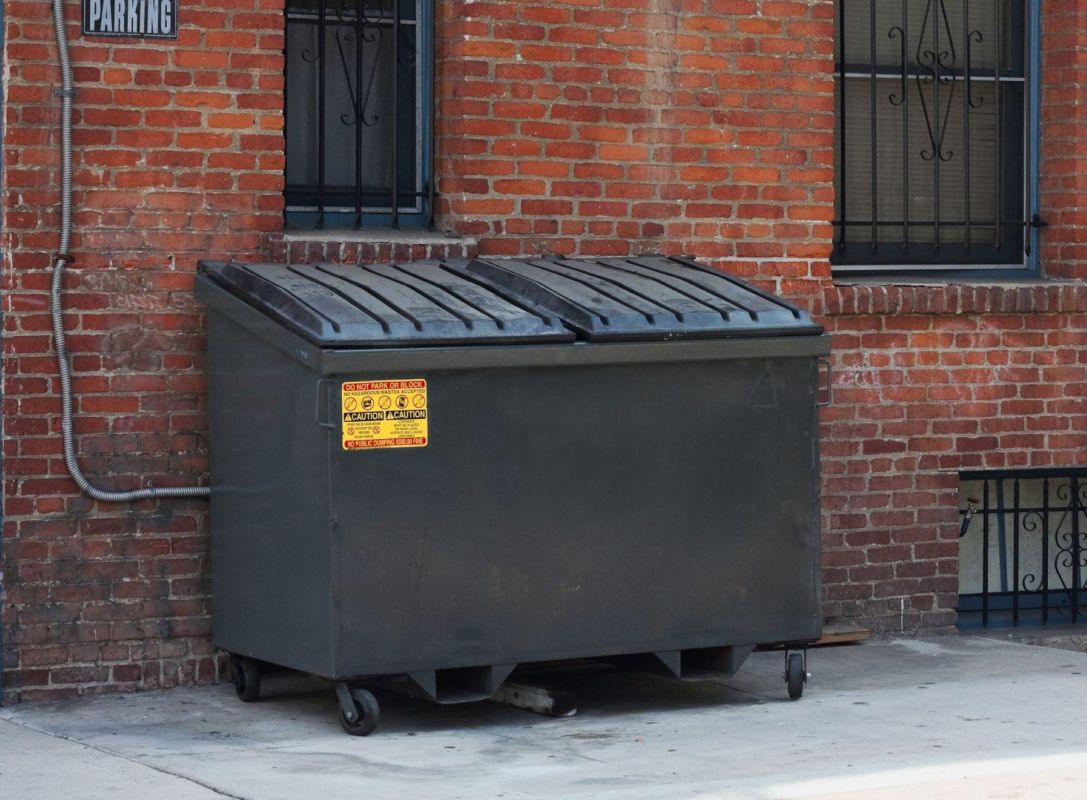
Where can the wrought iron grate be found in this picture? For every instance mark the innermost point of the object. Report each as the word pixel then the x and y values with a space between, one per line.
pixel 933 143
pixel 358 122
pixel 1023 554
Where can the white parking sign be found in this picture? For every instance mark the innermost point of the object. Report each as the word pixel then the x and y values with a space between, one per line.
pixel 144 18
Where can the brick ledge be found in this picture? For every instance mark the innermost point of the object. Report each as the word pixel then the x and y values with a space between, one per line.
pixel 1022 297
pixel 366 247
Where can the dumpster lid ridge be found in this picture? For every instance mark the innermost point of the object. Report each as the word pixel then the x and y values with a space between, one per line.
pixel 442 298
pixel 631 266
pixel 590 269
pixel 346 296
pixel 266 280
pixel 399 308
pixel 613 294
pixel 659 273
pixel 667 268
pixel 513 301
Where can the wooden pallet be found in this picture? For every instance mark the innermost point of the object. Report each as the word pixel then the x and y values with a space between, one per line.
pixel 843 634
pixel 832 635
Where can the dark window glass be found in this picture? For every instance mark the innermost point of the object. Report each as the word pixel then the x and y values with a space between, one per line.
pixel 357 112
pixel 932 151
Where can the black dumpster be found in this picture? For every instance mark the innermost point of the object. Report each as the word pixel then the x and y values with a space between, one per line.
pixel 436 471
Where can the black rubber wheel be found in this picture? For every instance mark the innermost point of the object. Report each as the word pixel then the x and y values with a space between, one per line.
pixel 368 711
pixel 245 675
pixel 795 675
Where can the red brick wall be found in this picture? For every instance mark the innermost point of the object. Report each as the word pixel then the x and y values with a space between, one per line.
pixel 931 380
pixel 1064 131
pixel 179 154
pixel 594 127
pixel 934 379
pixel 602 127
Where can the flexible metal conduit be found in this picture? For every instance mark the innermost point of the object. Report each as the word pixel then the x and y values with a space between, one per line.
pixel 56 295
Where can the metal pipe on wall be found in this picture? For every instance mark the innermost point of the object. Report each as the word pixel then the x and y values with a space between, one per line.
pixel 56 295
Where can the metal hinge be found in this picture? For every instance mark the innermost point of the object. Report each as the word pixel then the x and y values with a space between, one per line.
pixel 324 416
pixel 1037 223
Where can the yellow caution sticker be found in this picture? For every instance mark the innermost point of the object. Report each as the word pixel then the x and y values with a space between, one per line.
pixel 383 414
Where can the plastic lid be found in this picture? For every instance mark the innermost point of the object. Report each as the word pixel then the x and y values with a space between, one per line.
pixel 651 297
pixel 388 305
pixel 509 300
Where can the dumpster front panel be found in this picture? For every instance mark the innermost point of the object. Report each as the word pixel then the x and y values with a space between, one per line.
pixel 583 511
pixel 271 576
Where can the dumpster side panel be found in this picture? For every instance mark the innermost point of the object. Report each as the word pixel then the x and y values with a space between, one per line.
pixel 583 511
pixel 271 576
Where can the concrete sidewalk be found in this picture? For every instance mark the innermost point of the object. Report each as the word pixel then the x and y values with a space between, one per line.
pixel 953 717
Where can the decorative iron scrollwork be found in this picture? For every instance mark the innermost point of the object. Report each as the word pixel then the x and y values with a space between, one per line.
pixel 1039 541
pixel 899 97
pixel 935 68
pixel 362 25
pixel 934 63
pixel 367 25
pixel 973 38
pixel 1070 538
pixel 1034 522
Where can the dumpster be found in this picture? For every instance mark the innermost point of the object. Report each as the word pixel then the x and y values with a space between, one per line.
pixel 429 473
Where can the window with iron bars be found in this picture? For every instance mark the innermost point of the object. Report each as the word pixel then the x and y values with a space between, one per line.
pixel 359 78
pixel 935 128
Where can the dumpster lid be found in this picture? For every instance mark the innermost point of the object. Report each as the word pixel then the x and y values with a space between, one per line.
pixel 386 305
pixel 645 298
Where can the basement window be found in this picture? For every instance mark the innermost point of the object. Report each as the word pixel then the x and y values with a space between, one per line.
pixel 1023 547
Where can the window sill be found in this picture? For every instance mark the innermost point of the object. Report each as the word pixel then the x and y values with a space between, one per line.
pixel 875 296
pixel 373 246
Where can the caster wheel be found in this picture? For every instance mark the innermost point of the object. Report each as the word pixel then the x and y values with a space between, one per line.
pixel 795 675
pixel 367 714
pixel 245 675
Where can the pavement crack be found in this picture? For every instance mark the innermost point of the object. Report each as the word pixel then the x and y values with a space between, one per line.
pixel 129 759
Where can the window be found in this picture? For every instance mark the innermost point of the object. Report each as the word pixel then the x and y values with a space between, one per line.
pixel 358 119
pixel 933 164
